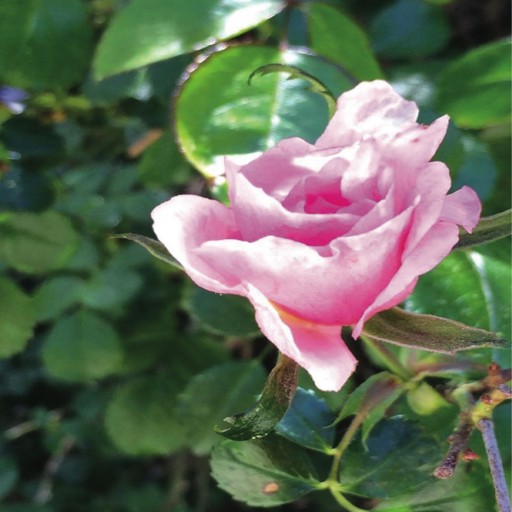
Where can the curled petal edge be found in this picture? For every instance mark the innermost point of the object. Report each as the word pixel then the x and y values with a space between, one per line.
pixel 318 348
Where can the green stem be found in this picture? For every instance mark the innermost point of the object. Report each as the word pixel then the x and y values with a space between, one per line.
pixel 341 500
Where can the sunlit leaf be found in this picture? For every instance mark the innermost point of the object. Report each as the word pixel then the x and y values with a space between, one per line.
pixel 160 29
pixel 475 89
pixel 44 44
pixel 239 120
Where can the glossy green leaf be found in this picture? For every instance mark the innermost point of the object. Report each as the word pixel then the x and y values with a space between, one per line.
pixel 428 332
pixel 141 418
pixel 16 318
pixel 275 400
pixel 263 472
pixel 409 29
pixel 160 29
pixel 489 229
pixel 154 247
pixel 56 295
pixel 398 459
pixel 82 346
pixel 475 89
pixel 225 314
pixel 308 422
pixel 36 243
pixel 372 399
pixel 335 36
pixel 236 118
pixel 44 44
pixel 469 287
pixel 211 395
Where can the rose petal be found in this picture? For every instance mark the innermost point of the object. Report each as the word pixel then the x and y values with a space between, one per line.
pixel 183 224
pixel 327 285
pixel 463 207
pixel 372 109
pixel 433 248
pixel 317 348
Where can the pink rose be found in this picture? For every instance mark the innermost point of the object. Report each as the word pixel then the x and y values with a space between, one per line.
pixel 325 235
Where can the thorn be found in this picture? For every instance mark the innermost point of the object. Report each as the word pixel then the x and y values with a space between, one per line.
pixel 469 455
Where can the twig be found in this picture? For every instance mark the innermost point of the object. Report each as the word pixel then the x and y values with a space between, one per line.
pixel 45 489
pixel 486 426
pixel 458 445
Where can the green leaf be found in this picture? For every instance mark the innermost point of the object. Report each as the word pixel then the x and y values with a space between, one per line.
pixel 36 243
pixel 235 118
pixel 488 230
pixel 275 400
pixel 141 418
pixel 466 491
pixel 162 165
pixel 225 314
pixel 82 346
pixel 409 29
pixel 44 44
pixel 428 332
pixel 56 295
pixel 16 318
pixel 110 288
pixel 475 89
pixel 372 399
pixel 335 36
pixel 154 247
pixel 160 29
pixel 212 395
pixel 398 460
pixel 263 472
pixel 308 422
pixel 469 287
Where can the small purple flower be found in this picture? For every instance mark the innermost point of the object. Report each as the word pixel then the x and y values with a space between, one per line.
pixel 13 98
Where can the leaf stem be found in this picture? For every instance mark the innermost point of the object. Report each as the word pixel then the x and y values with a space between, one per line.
pixel 486 426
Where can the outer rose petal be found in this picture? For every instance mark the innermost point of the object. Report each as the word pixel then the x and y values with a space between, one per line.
pixel 372 109
pixel 317 348
pixel 183 224
pixel 463 208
